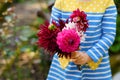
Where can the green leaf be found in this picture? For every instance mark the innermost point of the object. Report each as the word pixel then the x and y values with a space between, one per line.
pixel 26 32
pixel 26 48
pixel 23 38
pixel 1 45
pixel 115 48
pixel 40 20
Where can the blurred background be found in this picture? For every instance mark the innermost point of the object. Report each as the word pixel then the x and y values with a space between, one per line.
pixel 20 58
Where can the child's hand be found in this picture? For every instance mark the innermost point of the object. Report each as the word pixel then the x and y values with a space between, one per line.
pixel 80 58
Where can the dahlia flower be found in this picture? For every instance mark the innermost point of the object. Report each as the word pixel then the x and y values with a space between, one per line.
pixel 70 25
pixel 47 37
pixel 63 37
pixel 68 40
pixel 61 24
pixel 82 36
pixel 79 17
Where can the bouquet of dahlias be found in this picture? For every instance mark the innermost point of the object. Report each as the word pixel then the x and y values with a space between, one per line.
pixel 63 37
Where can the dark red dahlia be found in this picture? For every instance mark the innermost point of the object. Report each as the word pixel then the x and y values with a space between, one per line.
pixel 61 24
pixel 47 37
pixel 80 18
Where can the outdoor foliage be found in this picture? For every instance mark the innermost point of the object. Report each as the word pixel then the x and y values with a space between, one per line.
pixel 20 58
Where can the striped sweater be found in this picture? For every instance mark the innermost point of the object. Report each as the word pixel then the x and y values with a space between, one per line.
pixel 101 15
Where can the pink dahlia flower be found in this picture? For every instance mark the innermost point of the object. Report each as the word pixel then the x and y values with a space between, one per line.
pixel 68 40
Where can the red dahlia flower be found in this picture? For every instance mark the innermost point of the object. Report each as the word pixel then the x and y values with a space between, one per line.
pixel 47 37
pixel 79 17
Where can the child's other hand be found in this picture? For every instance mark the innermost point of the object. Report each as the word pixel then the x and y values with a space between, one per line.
pixel 80 58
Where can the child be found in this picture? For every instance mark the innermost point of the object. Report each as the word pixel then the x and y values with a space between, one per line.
pixel 101 15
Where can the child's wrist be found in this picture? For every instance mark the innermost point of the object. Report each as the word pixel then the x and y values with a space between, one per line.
pixel 88 58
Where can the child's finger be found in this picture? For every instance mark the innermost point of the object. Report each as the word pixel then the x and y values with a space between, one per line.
pixel 74 54
pixel 73 60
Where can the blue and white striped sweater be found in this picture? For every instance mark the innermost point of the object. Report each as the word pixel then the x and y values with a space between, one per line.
pixel 100 36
